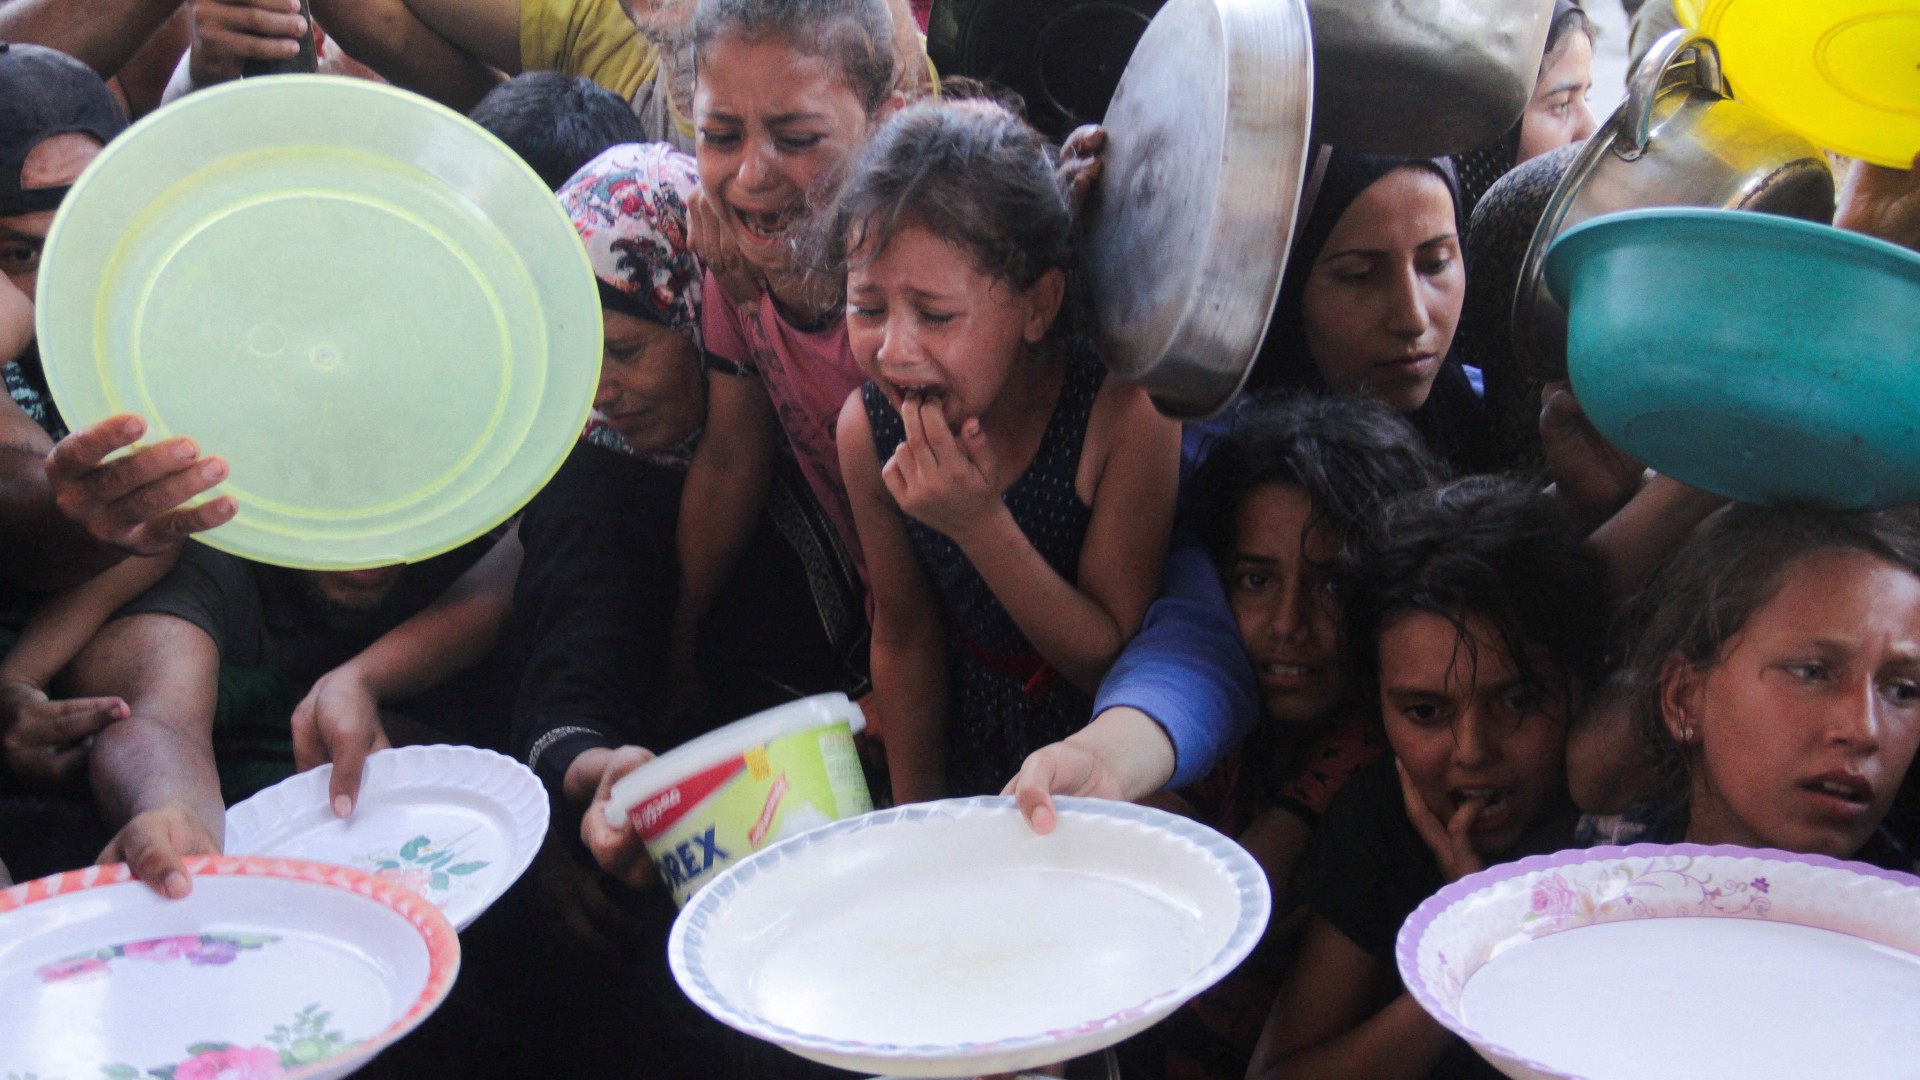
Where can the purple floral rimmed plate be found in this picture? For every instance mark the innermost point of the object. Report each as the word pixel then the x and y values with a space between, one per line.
pixel 1656 961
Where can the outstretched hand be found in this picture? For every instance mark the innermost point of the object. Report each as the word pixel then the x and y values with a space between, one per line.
pixel 947 481
pixel 1062 768
pixel 135 503
pixel 338 722
pixel 1451 841
pixel 1593 477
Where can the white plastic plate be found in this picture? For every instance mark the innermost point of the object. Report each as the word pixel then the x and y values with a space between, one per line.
pixel 270 967
pixel 946 939
pixel 456 824
pixel 1675 961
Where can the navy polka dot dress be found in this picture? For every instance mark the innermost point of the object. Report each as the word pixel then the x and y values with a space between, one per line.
pixel 1004 700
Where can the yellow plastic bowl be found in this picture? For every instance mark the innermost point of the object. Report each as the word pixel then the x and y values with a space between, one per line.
pixel 370 307
pixel 1845 73
pixel 1689 12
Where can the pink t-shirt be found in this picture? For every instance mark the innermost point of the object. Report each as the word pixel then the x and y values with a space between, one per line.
pixel 809 375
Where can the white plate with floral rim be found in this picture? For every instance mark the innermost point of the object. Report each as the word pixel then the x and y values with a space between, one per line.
pixel 947 938
pixel 456 824
pixel 1675 961
pixel 268 968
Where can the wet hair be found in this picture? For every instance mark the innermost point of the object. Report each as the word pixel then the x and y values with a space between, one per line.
pixel 855 34
pixel 557 123
pixel 1350 455
pixel 969 172
pixel 1701 600
pixel 1488 546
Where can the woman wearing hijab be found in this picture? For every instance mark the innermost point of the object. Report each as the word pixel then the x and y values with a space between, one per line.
pixel 1372 296
pixel 1556 113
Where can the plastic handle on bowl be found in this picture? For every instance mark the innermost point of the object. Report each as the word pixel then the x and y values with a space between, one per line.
pixel 1651 77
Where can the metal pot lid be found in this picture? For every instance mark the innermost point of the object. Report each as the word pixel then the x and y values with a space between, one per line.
pixel 1187 235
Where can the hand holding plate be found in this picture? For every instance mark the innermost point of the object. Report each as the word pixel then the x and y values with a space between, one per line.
pixel 134 503
pixel 1594 478
pixel 46 741
pixel 153 844
pixel 339 722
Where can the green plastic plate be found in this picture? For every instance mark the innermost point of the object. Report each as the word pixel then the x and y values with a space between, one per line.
pixel 370 307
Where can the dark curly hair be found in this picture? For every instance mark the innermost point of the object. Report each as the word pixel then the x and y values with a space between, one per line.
pixel 1488 546
pixel 1349 454
pixel 856 34
pixel 1701 600
pixel 971 173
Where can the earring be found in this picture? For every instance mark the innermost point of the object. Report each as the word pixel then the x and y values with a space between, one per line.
pixel 1686 733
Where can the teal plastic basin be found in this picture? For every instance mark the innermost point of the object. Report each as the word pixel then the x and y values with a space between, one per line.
pixel 1758 357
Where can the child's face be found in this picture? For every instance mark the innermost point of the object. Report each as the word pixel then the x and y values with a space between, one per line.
pixel 1384 294
pixel 775 131
pixel 651 390
pixel 1803 731
pixel 56 161
pixel 922 320
pixel 1467 727
pixel 1289 620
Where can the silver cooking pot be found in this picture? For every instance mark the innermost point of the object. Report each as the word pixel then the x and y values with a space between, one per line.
pixel 1423 79
pixel 1680 139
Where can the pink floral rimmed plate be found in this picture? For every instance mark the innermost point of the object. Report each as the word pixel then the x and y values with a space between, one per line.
pixel 1656 961
pixel 456 824
pixel 269 968
pixel 948 939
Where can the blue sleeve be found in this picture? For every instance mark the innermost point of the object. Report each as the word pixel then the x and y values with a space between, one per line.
pixel 1187 668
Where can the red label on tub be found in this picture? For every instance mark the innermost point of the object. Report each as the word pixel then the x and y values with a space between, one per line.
pixel 660 812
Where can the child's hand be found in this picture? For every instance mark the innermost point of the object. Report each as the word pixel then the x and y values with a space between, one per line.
pixel 617 848
pixel 1450 841
pixel 16 320
pixel 710 234
pixel 46 742
pixel 338 722
pixel 947 483
pixel 1882 202
pixel 1594 478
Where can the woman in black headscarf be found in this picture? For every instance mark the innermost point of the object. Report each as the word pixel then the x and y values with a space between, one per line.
pixel 1372 296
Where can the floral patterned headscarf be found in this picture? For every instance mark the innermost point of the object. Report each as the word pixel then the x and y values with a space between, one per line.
pixel 630 207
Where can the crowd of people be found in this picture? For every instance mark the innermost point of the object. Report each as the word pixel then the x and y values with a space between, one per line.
pixel 852 433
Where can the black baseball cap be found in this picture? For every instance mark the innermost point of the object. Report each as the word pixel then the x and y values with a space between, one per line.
pixel 43 93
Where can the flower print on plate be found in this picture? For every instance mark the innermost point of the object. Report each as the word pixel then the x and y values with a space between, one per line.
pixel 434 870
pixel 456 824
pixel 269 968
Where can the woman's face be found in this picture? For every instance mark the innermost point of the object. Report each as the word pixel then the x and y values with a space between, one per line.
pixel 1558 114
pixel 1288 617
pixel 1799 735
pixel 1469 729
pixel 1383 296
pixel 776 129
pixel 651 390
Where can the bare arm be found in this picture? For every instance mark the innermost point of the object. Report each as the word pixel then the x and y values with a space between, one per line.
pixel 1323 1025
pixel 909 647
pixel 1653 524
pixel 102 33
pixel 153 773
pixel 387 36
pixel 725 492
